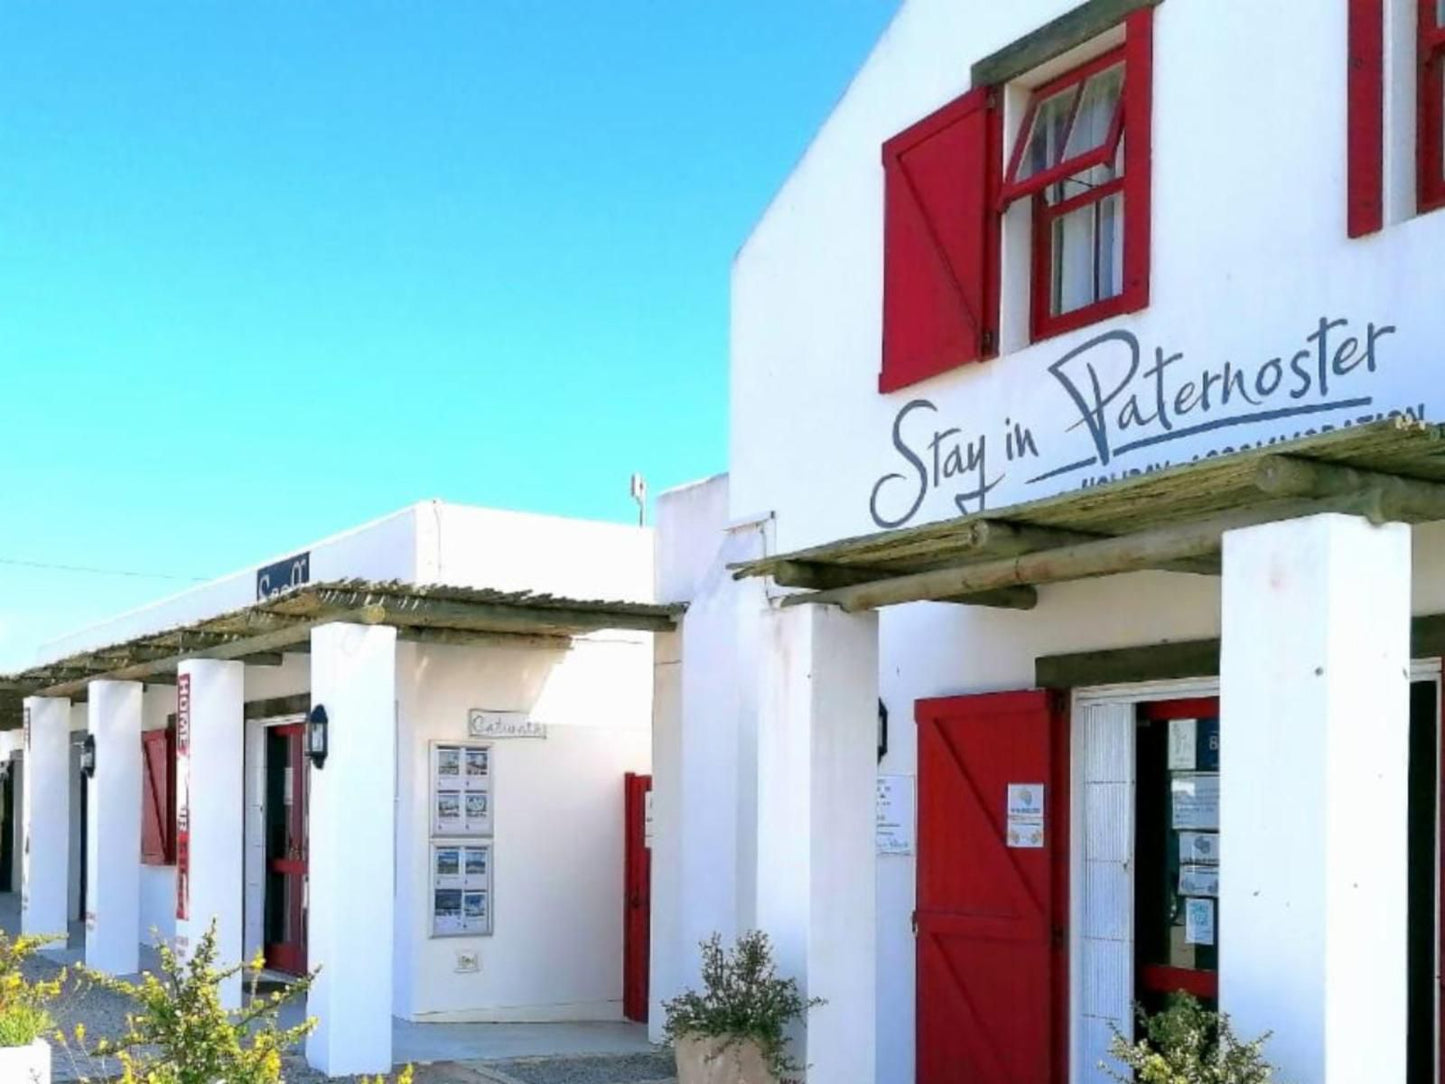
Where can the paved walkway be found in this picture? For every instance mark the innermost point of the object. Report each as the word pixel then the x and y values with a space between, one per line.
pixel 608 1052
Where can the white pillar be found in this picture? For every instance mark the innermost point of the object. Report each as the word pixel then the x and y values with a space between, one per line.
pixel 45 874
pixel 817 773
pixel 352 849
pixel 1314 684
pixel 210 697
pixel 112 829
pixel 665 965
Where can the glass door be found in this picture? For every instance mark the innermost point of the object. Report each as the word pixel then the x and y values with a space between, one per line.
pixel 1176 888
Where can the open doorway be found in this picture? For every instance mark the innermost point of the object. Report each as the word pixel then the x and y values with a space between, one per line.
pixel 277 790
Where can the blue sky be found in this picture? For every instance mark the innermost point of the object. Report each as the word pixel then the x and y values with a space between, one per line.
pixel 270 269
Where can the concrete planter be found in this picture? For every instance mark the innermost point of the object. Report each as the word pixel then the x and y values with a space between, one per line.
pixel 25 1064
pixel 703 1060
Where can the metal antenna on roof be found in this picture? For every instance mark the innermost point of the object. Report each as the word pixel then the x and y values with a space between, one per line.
pixel 639 494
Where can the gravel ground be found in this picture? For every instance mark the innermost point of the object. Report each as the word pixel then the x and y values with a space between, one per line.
pixel 103 1014
pixel 600 1069
pixel 608 1069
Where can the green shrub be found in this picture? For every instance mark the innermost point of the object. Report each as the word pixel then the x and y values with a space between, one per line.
pixel 182 1035
pixel 742 998
pixel 23 1015
pixel 1189 1044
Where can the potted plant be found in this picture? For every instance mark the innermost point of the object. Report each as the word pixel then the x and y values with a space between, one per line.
pixel 733 1031
pixel 1189 1044
pixel 24 1019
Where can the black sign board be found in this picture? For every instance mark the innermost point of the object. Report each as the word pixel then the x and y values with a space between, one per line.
pixel 283 576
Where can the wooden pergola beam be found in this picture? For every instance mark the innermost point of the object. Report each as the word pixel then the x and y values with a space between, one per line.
pixel 463 638
pixel 426 612
pixel 263 635
pixel 264 658
pixel 1103 557
pixel 230 649
pixel 1392 497
pixel 817 576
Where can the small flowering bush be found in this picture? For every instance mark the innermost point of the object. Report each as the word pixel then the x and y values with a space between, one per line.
pixel 24 1016
pixel 742 998
pixel 1189 1044
pixel 182 1035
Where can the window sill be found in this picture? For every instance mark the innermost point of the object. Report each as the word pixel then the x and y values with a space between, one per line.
pixel 1125 303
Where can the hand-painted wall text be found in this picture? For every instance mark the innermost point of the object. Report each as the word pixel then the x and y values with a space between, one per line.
pixel 1123 408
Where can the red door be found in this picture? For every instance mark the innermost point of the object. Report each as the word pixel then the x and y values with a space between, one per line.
pixel 992 889
pixel 637 902
pixel 285 914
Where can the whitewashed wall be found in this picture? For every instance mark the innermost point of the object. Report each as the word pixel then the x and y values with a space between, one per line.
pixel 556 949
pixel 157 883
pixel 705 736
pixel 427 542
pixel 1249 254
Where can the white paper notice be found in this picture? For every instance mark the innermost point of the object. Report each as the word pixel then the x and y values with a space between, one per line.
pixel 1199 847
pixel 1196 801
pixel 1199 922
pixel 894 828
pixel 1199 881
pixel 1025 815
pixel 1183 740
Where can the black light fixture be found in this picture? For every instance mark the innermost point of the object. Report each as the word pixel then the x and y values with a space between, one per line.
pixel 882 731
pixel 315 743
pixel 87 757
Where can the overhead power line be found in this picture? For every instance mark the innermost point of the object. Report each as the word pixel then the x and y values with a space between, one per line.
pixel 18 562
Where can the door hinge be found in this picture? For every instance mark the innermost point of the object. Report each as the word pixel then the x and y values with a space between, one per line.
pixel 913 921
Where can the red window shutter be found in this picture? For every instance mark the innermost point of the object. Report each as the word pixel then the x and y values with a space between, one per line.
pixel 1430 134
pixel 1366 117
pixel 941 241
pixel 157 797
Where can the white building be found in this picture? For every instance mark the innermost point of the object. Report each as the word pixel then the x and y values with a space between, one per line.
pixel 1040 252
pixel 457 855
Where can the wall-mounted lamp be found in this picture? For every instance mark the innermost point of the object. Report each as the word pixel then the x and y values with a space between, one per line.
pixel 316 736
pixel 882 731
pixel 87 757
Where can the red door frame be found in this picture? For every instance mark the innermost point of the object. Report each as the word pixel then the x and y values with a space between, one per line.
pixel 1440 872
pixel 637 898
pixel 1057 818
pixel 290 956
pixel 1158 978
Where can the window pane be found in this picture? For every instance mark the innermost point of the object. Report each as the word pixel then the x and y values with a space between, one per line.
pixel 1046 139
pixel 1088 255
pixel 1440 12
pixel 1096 111
pixel 1073 285
pixel 1083 182
pixel 1111 246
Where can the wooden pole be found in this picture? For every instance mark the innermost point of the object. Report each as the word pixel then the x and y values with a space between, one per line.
pixel 823 577
pixel 1399 498
pixel 1105 557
